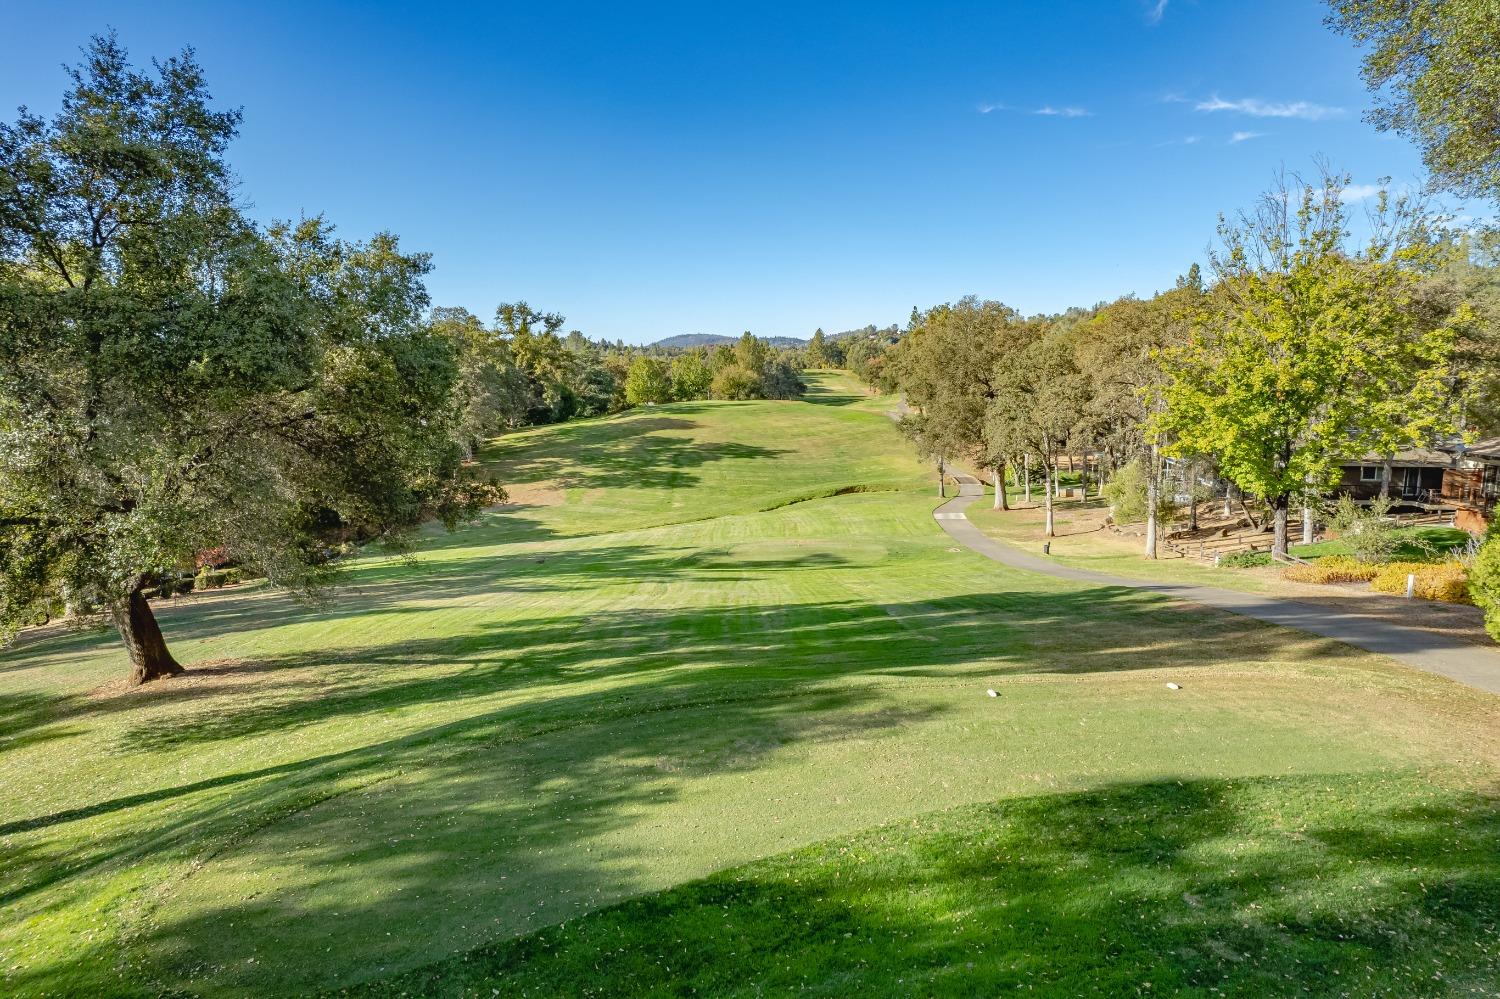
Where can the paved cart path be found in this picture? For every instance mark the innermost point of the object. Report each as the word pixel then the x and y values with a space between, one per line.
pixel 1424 650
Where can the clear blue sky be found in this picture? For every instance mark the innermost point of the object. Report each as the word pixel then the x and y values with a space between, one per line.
pixel 651 169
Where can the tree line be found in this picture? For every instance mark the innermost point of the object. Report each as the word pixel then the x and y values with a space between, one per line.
pixel 1303 347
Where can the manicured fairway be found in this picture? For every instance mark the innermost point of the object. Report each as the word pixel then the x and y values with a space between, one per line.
pixel 694 648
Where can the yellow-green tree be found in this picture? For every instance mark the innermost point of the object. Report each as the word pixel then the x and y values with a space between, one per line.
pixel 1307 350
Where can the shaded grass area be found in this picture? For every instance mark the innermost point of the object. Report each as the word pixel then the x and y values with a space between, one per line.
pixel 601 693
pixel 1168 887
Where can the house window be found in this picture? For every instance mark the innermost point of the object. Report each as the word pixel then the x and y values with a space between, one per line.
pixel 1369 473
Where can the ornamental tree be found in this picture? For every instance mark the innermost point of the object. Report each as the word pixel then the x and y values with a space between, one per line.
pixel 173 379
pixel 1308 350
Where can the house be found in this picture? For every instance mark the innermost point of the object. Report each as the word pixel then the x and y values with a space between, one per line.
pixel 1452 474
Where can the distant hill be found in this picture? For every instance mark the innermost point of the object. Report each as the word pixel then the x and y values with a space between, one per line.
pixel 686 340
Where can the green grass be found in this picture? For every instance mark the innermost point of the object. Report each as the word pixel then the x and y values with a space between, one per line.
pixel 695 650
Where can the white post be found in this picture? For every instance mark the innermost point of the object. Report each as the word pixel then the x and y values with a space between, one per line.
pixel 1411 585
pixel 1307 522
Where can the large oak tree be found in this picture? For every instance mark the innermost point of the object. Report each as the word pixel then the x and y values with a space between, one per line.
pixel 174 379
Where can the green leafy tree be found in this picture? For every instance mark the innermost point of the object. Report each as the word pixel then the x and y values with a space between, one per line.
pixel 1309 350
pixel 492 393
pixel 173 380
pixel 751 352
pixel 1118 351
pixel 1040 403
pixel 1434 66
pixel 817 354
pixel 735 382
pixel 947 367
pixel 551 368
pixel 649 380
pixel 691 375
pixel 782 379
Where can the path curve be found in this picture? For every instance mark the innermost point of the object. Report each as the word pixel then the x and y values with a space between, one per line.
pixel 1423 650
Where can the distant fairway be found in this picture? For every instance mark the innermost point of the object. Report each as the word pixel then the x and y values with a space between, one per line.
pixel 727 641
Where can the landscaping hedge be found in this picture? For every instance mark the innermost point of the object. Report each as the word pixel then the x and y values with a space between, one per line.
pixel 1333 569
pixel 1445 581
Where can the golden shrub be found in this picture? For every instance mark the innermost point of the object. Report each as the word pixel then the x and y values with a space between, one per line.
pixel 1442 581
pixel 1333 569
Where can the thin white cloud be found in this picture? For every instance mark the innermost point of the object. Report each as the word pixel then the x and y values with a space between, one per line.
pixel 1257 108
pixel 1158 9
pixel 1359 192
pixel 1239 137
pixel 987 108
pixel 1186 140
pixel 1068 112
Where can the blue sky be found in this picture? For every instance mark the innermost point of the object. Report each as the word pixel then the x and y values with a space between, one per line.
pixel 651 169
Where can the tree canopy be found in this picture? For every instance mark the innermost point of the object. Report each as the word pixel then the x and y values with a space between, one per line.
pixel 173 379
pixel 1309 350
pixel 1434 66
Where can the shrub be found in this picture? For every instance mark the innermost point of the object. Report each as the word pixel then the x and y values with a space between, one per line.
pixel 1245 560
pixel 210 579
pixel 233 577
pixel 1368 532
pixel 1126 492
pixel 1484 580
pixel 1334 569
pixel 1444 581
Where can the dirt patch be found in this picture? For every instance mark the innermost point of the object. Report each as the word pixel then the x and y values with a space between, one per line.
pixel 208 676
pixel 533 494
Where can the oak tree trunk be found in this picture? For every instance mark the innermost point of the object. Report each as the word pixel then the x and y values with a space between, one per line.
pixel 1027 461
pixel 1281 505
pixel 149 656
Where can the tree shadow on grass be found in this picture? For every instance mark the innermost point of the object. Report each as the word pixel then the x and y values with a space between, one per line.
pixel 1323 885
pixel 645 452
pixel 707 651
pixel 563 726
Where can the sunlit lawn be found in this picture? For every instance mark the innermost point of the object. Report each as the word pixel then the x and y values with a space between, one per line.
pixel 689 649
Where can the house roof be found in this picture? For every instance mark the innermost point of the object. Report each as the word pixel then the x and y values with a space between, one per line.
pixel 1444 455
pixel 1425 457
pixel 1487 448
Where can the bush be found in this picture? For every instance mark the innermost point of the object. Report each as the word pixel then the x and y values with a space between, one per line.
pixel 233 577
pixel 1126 493
pixel 1334 569
pixel 1484 580
pixel 735 382
pixel 1445 581
pixel 1245 560
pixel 1368 532
pixel 210 579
